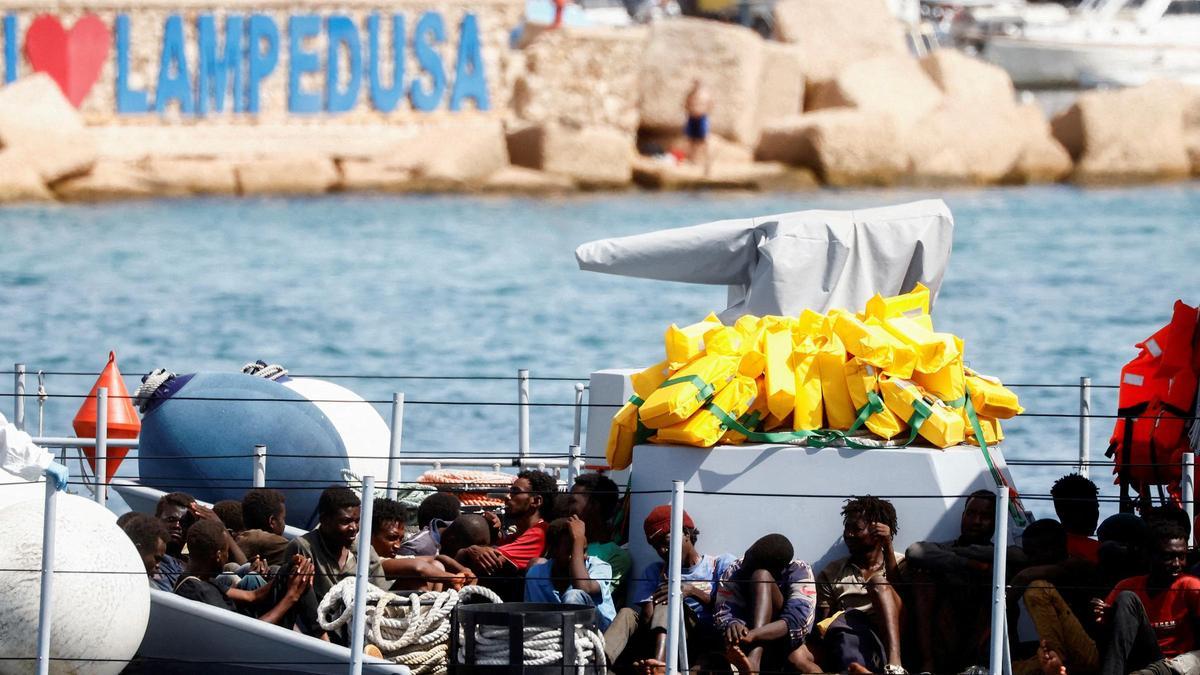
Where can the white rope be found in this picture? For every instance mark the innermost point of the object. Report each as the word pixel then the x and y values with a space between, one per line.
pixel 151 381
pixel 415 631
pixel 261 368
pixel 409 633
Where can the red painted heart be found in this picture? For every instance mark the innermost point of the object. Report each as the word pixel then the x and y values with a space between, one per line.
pixel 73 58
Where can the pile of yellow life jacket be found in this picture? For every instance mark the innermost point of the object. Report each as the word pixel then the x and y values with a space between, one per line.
pixel 813 379
pixel 1156 402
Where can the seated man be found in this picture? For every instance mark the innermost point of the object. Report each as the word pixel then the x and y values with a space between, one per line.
pixel 1152 616
pixel 571 576
pixel 858 610
pixel 409 572
pixel 952 593
pixel 766 604
pixel 1058 618
pixel 178 510
pixel 502 565
pixel 230 513
pixel 331 549
pixel 149 537
pixel 264 513
pixel 469 529
pixel 208 551
pixel 433 515
pixel 645 624
pixel 594 499
pixel 1077 504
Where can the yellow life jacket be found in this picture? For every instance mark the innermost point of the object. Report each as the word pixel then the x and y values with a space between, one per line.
pixel 912 303
pixel 623 433
pixel 809 411
pixel 990 398
pixel 934 350
pixel 943 426
pixel 835 393
pixel 687 389
pixel 780 378
pixel 874 345
pixel 727 341
pixel 703 429
pixel 947 383
pixel 752 417
pixel 622 436
pixel 685 344
pixel 861 378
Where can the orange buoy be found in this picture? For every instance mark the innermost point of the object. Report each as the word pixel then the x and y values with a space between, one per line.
pixel 123 421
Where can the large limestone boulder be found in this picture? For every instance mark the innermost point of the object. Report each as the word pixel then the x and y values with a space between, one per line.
pixel 37 119
pixel 20 181
pixel 595 157
pixel 854 147
pixel 896 86
pixel 1191 128
pixel 784 140
pixel 375 175
pixel 781 86
pixel 832 34
pixel 1043 159
pixel 969 82
pixel 478 150
pixel 299 175
pixel 209 176
pixel 581 77
pixel 958 144
pixel 112 179
pixel 520 180
pixel 727 58
pixel 1126 135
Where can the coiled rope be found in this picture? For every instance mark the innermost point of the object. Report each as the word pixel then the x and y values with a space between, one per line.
pixel 542 647
pixel 415 631
pixel 151 381
pixel 260 368
pixel 416 635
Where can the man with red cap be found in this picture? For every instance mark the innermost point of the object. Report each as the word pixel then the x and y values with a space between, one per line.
pixel 645 621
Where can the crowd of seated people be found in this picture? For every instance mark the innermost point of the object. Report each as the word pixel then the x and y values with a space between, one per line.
pixel 1115 597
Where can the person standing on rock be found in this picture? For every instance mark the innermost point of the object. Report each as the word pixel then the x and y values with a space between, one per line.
pixel 698 105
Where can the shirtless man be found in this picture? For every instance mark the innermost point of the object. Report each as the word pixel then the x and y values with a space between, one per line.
pixel 698 106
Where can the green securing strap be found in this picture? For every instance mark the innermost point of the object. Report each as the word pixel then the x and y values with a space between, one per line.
pixel 704 390
pixel 815 438
pixel 957 403
pixel 732 424
pixel 636 400
pixel 1014 505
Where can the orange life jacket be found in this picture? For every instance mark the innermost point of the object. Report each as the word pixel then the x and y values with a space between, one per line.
pixel 1155 404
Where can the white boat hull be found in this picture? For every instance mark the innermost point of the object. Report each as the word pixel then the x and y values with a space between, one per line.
pixel 1036 63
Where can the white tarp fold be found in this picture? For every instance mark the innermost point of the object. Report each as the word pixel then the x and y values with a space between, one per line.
pixel 786 263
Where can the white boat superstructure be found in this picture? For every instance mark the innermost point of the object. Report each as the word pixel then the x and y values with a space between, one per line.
pixel 1102 43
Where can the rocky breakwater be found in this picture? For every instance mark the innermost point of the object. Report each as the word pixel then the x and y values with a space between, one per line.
pixel 836 99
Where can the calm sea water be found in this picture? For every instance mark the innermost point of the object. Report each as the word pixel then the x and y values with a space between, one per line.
pixel 1046 285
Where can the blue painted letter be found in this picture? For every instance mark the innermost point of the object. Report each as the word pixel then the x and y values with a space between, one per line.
pixel 340 31
pixel 262 62
pixel 385 100
pixel 11 59
pixel 469 79
pixel 300 28
pixel 214 70
pixel 173 80
pixel 423 99
pixel 129 101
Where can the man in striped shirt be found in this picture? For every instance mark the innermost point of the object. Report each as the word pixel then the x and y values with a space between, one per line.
pixel 766 604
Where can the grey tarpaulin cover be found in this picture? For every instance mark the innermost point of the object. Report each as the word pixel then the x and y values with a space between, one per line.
pixel 786 263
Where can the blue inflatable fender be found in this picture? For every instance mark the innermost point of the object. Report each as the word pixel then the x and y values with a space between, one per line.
pixel 199 436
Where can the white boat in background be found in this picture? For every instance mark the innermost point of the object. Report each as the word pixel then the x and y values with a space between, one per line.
pixel 1101 43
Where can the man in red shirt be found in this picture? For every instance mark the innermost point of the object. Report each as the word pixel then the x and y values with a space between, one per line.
pixel 528 506
pixel 1154 615
pixel 1077 503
